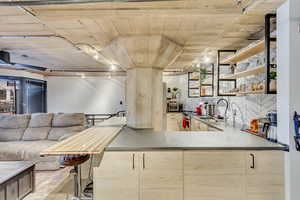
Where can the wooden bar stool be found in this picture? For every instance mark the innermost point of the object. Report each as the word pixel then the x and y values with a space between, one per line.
pixel 75 161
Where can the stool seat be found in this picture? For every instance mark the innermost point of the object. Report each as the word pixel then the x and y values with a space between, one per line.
pixel 73 160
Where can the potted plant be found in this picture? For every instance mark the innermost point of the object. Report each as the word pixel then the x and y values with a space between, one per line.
pixel 273 81
pixel 175 92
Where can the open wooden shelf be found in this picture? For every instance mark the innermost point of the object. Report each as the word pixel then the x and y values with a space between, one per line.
pixel 252 92
pixel 245 53
pixel 249 72
pixel 194 79
pixel 195 87
pixel 244 93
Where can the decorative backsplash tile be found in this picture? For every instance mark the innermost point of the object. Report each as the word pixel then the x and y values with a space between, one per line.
pixel 247 107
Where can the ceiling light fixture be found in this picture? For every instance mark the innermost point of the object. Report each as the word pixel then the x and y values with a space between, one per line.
pixel 206 59
pixel 113 67
pixel 96 57
pixel 83 76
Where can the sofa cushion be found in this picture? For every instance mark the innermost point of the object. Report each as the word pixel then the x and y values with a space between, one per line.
pixel 14 121
pixel 70 119
pixel 41 120
pixel 29 150
pixel 58 133
pixel 11 134
pixel 36 133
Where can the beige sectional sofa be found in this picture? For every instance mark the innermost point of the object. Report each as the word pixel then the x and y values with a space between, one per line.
pixel 23 137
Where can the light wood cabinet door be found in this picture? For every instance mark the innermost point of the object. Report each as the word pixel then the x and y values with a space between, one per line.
pixel 214 175
pixel 265 175
pixel 161 175
pixel 2 193
pixel 117 177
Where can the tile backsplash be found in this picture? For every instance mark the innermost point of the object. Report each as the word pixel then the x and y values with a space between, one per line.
pixel 247 107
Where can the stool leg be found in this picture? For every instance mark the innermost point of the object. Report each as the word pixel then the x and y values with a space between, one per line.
pixel 76 192
pixel 79 181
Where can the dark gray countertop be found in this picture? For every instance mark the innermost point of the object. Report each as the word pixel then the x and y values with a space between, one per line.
pixel 228 139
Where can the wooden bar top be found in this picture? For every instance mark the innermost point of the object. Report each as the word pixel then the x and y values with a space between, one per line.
pixel 89 141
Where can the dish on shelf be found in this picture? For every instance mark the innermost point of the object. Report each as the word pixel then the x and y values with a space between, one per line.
pixel 243 66
pixel 249 72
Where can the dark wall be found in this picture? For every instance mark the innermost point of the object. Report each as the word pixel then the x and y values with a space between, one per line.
pixel 31 95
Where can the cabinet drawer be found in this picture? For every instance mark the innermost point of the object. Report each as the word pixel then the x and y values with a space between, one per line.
pixel 214 162
pixel 162 160
pixel 214 187
pixel 265 162
pixel 119 162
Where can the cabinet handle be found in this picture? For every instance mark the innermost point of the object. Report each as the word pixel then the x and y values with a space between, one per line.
pixel 133 157
pixel 143 160
pixel 253 161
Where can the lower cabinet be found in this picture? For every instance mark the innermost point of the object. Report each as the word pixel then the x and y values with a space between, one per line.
pixel 213 175
pixel 117 177
pixel 155 175
pixel 233 175
pixel 161 176
pixel 190 175
pixel 265 175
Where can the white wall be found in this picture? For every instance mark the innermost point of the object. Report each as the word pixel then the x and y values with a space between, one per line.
pixel 91 95
pixel 288 89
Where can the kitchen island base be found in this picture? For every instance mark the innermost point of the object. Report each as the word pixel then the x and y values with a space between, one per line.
pixel 190 175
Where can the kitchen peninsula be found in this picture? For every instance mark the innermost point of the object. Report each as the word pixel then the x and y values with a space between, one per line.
pixel 228 164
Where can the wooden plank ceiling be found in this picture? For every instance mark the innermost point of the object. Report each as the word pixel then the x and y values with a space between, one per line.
pixel 199 26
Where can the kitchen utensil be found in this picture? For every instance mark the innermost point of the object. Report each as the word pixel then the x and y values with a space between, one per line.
pixel 211 109
pixel 272 133
pixel 297 130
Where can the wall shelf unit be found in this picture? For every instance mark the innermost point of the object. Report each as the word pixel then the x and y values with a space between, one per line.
pixel 221 81
pixel 194 84
pixel 267 69
pixel 251 92
pixel 198 87
pixel 245 53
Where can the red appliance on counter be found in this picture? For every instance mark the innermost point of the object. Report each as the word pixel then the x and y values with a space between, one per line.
pixel 186 122
pixel 199 110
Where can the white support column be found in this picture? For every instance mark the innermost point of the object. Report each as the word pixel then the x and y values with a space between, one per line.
pixel 288 36
pixel 145 98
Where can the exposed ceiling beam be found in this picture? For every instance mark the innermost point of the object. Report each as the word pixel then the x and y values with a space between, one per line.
pixel 63 2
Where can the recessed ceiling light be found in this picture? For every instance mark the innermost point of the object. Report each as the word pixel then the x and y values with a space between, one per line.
pixel 113 67
pixel 96 57
pixel 206 59
pixel 83 76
